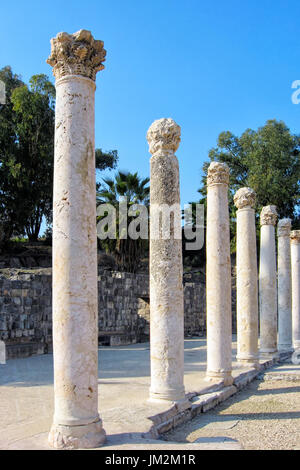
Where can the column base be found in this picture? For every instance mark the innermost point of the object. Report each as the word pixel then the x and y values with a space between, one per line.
pixel 268 354
pixel 87 436
pixel 248 362
pixel 225 377
pixel 167 395
pixel 285 348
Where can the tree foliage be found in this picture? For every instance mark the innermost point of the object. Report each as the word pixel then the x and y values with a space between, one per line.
pixel 27 154
pixel 266 160
pixel 127 252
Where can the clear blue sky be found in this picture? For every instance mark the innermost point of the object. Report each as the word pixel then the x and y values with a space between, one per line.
pixel 210 65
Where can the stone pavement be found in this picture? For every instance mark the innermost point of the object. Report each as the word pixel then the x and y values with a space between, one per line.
pixel 131 421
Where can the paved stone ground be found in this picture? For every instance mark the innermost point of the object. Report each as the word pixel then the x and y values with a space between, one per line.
pixel 26 398
pixel 263 416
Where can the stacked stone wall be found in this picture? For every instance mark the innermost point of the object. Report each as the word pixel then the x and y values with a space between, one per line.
pixel 123 304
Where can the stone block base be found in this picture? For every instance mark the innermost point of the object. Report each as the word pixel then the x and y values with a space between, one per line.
pixel 88 436
pixel 215 377
pixel 167 395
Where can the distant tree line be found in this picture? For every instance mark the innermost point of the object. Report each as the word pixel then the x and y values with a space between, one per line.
pixel 27 155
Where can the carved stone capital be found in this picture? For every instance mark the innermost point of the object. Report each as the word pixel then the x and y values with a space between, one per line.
pixel 163 136
pixel 268 215
pixel 218 173
pixel 284 227
pixel 295 236
pixel 76 54
pixel 244 197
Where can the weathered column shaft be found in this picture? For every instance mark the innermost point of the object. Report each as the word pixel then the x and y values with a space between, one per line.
pixel 267 282
pixel 218 276
pixel 76 421
pixel 284 285
pixel 295 260
pixel 166 289
pixel 246 282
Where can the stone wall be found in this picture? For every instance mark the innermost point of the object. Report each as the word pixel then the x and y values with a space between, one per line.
pixel 26 310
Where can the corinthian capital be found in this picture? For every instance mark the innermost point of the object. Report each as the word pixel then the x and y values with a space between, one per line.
pixel 284 227
pixel 295 236
pixel 268 215
pixel 218 173
pixel 244 197
pixel 163 136
pixel 76 54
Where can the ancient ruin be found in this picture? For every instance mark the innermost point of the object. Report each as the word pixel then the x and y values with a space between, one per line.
pixel 247 289
pixel 218 276
pixel 295 260
pixel 75 60
pixel 166 289
pixel 268 282
pixel 284 286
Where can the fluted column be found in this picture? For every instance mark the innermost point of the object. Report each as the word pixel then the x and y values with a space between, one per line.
pixel 246 281
pixel 295 260
pixel 284 285
pixel 267 283
pixel 218 276
pixel 75 59
pixel 166 289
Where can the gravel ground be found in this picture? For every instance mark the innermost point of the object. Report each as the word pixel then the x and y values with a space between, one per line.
pixel 264 416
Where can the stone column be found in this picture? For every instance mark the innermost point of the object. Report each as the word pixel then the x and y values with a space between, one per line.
pixel 246 287
pixel 284 285
pixel 218 276
pixel 75 59
pixel 166 271
pixel 267 283
pixel 295 260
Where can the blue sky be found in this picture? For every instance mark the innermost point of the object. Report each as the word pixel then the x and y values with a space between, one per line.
pixel 211 66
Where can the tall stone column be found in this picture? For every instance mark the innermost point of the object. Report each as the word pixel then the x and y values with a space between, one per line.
pixel 166 289
pixel 75 59
pixel 284 285
pixel 218 276
pixel 267 283
pixel 246 287
pixel 295 260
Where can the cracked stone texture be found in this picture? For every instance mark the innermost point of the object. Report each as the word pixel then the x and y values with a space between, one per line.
pixel 166 287
pixel 244 197
pixel 268 282
pixel 295 260
pixel 246 284
pixel 218 275
pixel 75 299
pixel 284 285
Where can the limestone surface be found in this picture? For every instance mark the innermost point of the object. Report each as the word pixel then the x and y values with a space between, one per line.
pixel 163 136
pixel 295 261
pixel 76 422
pixel 268 282
pixel 246 265
pixel 284 285
pixel 166 288
pixel 218 275
pixel 76 54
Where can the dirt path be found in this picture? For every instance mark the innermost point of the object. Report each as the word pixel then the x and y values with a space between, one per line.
pixel 264 416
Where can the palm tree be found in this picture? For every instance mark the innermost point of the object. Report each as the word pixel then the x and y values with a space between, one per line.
pixel 127 252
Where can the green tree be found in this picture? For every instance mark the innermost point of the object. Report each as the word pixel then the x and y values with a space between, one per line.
pixel 10 198
pixel 268 161
pixel 34 129
pixel 127 252
pixel 26 155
